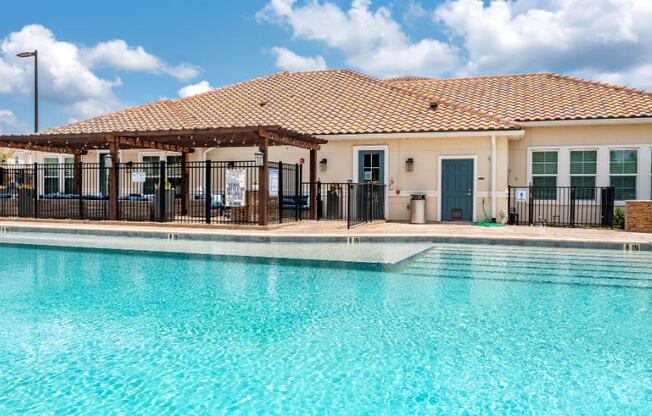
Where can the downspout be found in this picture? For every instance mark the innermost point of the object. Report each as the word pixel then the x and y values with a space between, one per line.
pixel 493 176
pixel 205 152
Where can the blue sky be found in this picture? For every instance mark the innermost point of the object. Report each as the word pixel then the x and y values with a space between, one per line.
pixel 100 56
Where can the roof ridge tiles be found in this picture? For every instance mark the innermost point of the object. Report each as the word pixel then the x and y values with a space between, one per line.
pixel 451 103
pixel 602 84
pixel 470 77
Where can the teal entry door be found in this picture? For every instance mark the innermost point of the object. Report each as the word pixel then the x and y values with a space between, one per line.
pixel 371 166
pixel 457 189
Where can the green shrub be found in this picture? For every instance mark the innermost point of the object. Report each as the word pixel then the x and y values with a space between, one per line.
pixel 619 218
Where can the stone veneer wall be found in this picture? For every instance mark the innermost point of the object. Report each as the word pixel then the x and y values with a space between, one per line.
pixel 638 216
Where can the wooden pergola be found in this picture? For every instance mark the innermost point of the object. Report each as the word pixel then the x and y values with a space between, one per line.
pixel 181 141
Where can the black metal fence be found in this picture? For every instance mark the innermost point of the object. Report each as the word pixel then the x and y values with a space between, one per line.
pixel 561 206
pixel 152 192
pixel 211 192
pixel 355 203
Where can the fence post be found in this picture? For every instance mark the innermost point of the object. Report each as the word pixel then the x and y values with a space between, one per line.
pixel 79 172
pixel 572 206
pixel 530 206
pixel 185 183
pixel 35 195
pixel 349 188
pixel 207 190
pixel 319 210
pixel 280 192
pixel 297 190
pixel 162 214
pixel 509 204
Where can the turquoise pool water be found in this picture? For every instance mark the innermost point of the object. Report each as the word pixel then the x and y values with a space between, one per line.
pixel 457 330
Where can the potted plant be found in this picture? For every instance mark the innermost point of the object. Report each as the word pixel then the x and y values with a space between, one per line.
pixel 169 194
pixel 25 200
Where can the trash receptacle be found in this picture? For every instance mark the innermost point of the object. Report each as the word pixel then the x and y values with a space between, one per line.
pixel 418 209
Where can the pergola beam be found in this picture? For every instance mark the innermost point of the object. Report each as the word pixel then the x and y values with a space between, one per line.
pixel 37 148
pixel 147 144
pixel 288 141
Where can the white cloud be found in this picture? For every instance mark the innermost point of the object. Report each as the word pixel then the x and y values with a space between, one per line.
pixel 63 78
pixel 194 89
pixel 7 118
pixel 9 123
pixel 290 61
pixel 586 37
pixel 415 11
pixel 370 40
pixel 66 70
pixel 599 39
pixel 118 54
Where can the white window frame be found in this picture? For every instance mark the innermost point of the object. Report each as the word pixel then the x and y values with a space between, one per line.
pixel 635 175
pixel 557 176
pixel 597 166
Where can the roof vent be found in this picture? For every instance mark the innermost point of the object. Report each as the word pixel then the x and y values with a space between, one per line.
pixel 263 103
pixel 433 105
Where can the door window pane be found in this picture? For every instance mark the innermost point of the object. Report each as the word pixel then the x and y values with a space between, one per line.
pixel 371 167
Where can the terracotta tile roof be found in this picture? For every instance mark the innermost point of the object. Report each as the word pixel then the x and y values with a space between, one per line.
pixel 319 102
pixel 536 97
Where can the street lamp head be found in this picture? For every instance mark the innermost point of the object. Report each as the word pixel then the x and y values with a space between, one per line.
pixel 26 54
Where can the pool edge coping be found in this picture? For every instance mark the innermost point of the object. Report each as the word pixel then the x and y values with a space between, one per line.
pixel 186 234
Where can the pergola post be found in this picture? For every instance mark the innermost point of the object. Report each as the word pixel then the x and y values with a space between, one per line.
pixel 313 184
pixel 185 183
pixel 263 186
pixel 113 179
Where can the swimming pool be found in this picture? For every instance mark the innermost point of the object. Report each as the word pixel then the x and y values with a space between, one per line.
pixel 460 329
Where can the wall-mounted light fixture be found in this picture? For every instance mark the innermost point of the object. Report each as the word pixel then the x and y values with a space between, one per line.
pixel 409 164
pixel 108 161
pixel 259 157
pixel 323 164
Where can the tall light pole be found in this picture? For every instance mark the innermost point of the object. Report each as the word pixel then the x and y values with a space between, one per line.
pixel 35 55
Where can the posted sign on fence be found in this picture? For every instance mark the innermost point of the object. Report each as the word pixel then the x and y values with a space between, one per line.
pixel 235 187
pixel 138 177
pixel 522 194
pixel 273 182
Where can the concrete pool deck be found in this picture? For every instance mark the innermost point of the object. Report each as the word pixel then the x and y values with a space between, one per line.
pixel 335 231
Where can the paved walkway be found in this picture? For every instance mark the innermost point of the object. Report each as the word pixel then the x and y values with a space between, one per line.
pixel 314 229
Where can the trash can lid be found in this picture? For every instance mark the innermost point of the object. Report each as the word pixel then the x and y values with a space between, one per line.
pixel 418 195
